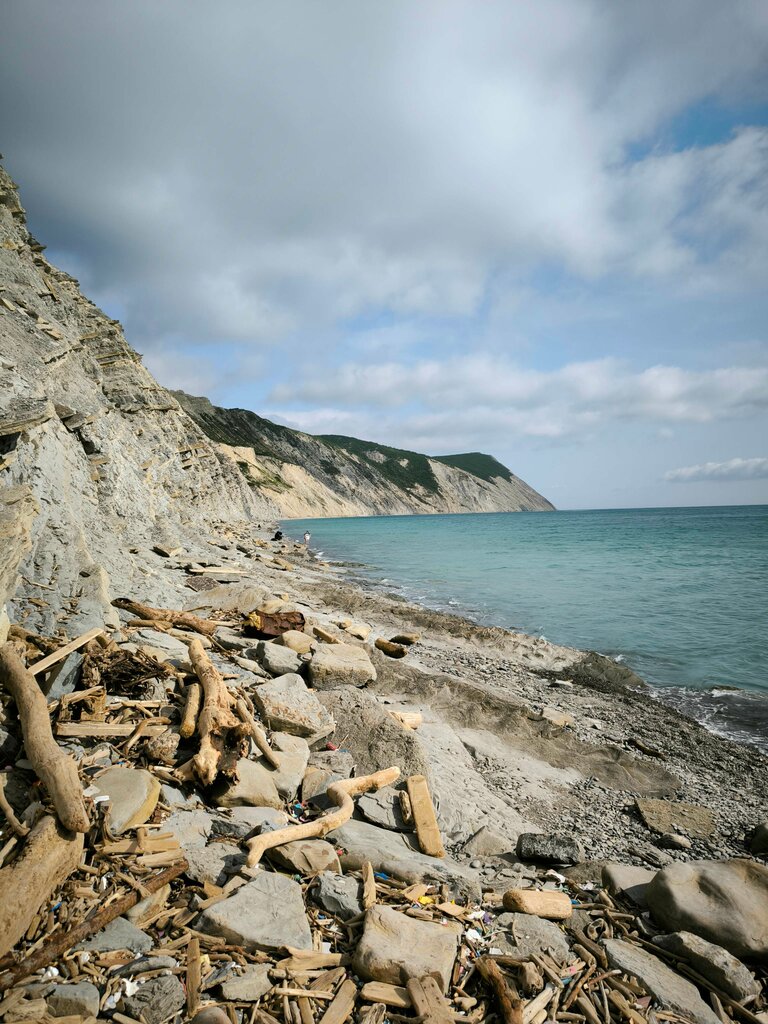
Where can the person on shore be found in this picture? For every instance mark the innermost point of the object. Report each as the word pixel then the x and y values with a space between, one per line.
pixel 278 535
pixel 307 535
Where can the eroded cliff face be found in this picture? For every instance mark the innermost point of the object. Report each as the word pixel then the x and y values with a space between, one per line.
pixel 307 476
pixel 97 461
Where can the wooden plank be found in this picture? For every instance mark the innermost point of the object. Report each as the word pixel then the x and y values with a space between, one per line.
pixel 423 811
pixel 369 885
pixel 194 976
pixel 74 645
pixel 343 1004
pixel 428 1001
pixel 101 729
pixel 381 992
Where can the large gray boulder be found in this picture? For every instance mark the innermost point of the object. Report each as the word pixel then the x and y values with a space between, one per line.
pixel 673 992
pixel 550 848
pixel 335 665
pixel 713 962
pixel 267 913
pixel 394 948
pixel 276 659
pixel 254 787
pixel 725 902
pixel 288 705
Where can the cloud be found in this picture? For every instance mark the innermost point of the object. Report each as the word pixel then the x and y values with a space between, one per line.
pixel 733 469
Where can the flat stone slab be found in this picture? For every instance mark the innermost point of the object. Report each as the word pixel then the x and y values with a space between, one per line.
pixel 81 999
pixel 214 863
pixel 254 787
pixel 383 809
pixel 395 854
pixel 133 794
pixel 191 828
pixel 527 934
pixel 666 816
pixel 288 705
pixel 293 754
pixel 118 934
pixel 672 991
pixel 275 658
pixel 267 913
pixel 335 665
pixel 394 948
pixel 627 878
pixel 251 984
pixel 712 962
pixel 156 1000
pixel 242 822
pixel 305 857
pixel 338 894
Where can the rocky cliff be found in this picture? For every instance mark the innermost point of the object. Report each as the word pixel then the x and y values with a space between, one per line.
pixel 331 475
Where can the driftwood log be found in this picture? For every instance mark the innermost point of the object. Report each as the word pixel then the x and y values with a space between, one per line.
pixel 257 734
pixel 184 619
pixel 49 857
pixel 55 769
pixel 223 737
pixel 340 793
pixel 510 1003
pixel 191 710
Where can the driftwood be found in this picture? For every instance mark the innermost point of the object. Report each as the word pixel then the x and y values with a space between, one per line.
pixel 428 1001
pixel 223 737
pixel 55 769
pixel 184 619
pixel 408 719
pixel 340 793
pixel 191 710
pixel 74 645
pixel 257 734
pixel 16 826
pixel 61 941
pixel 50 855
pixel 424 818
pixel 510 1003
pixel 391 650
pixel 556 906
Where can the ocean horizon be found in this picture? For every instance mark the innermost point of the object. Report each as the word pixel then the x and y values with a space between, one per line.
pixel 679 595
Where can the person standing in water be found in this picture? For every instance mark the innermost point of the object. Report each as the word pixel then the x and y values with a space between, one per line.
pixel 307 535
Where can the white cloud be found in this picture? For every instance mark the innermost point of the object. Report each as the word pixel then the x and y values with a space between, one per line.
pixel 733 469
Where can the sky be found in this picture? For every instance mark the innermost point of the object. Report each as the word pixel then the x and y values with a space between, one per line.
pixel 534 228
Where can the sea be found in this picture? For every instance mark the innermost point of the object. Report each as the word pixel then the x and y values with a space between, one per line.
pixel 679 595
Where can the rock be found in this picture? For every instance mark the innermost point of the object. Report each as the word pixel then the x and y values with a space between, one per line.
pixel 211 1015
pixel 288 705
pixel 672 841
pixel 254 787
pixel 394 948
pixel 148 906
pixel 133 794
pixel 275 658
pixel 305 856
pixel 338 894
pixel 293 752
pixel 357 629
pixel 712 962
pixel 325 635
pixel 9 746
pixel 758 840
pixel 486 842
pixel 628 879
pixel 81 999
pixel 673 992
pixel 406 639
pixel 299 642
pixel 250 985
pixel 391 650
pixel 142 964
pixel 553 848
pixel 118 934
pixel 191 828
pixel 156 1000
pixel 527 935
pixel 396 853
pixel 340 665
pixel 666 816
pixel 267 913
pixel 383 809
pixel 174 797
pixel 243 821
pixel 558 718
pixel 214 863
pixel 725 902
pixel 63 679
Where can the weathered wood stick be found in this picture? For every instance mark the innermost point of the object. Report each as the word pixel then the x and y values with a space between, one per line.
pixel 205 626
pixel 218 726
pixel 5 807
pixel 408 719
pixel 424 818
pixel 55 769
pixel 510 1003
pixel 61 941
pixel 50 855
pixel 428 1001
pixel 191 710
pixel 74 645
pixel 258 735
pixel 340 793
pixel 556 906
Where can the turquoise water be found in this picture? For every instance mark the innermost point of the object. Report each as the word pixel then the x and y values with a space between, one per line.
pixel 680 595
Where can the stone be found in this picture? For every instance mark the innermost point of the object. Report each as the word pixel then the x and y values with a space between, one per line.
pixel 628 879
pixel 276 659
pixel 267 913
pixel 405 639
pixel 148 906
pixel 142 964
pixel 191 828
pixel 242 822
pixel 383 809
pixel 133 794
pixel 156 1000
pixel 670 989
pixel 725 902
pixel 118 934
pixel 758 840
pixel 305 856
pixel 487 842
pixel 81 999
pixel 250 985
pixel 288 705
pixel 174 797
pixel 552 848
pixel 63 678
pixel 396 853
pixel 338 894
pixel 394 948
pixel 527 934
pixel 358 630
pixel 672 841
pixel 560 719
pixel 254 787
pixel 713 962
pixel 297 641
pixel 665 816
pixel 389 649
pixel 340 664
pixel 293 752
pixel 214 863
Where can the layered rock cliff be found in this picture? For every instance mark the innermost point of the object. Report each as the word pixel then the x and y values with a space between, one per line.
pixel 331 475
